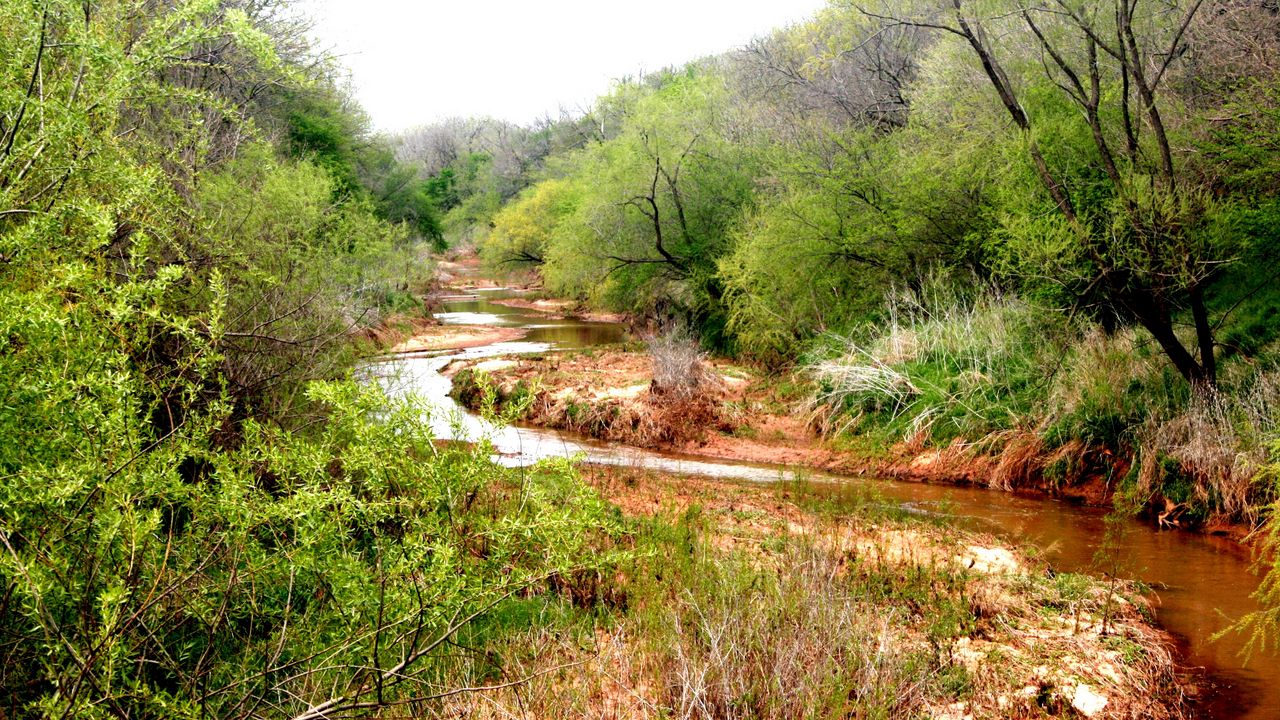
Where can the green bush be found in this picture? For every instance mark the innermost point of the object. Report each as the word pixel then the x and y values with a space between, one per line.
pixel 199 516
pixel 293 571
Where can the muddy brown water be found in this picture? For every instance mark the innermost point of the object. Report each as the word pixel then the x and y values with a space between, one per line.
pixel 1199 582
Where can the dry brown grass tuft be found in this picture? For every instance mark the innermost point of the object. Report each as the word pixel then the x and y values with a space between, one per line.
pixel 679 367
pixel 1020 461
pixel 1220 442
pixel 782 651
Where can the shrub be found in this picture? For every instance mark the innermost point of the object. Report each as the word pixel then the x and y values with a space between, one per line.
pixel 679 370
pixel 294 573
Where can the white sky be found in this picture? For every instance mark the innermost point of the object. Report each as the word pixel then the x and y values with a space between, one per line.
pixel 414 62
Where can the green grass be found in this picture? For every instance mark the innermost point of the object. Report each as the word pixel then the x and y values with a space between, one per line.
pixel 975 368
pixel 953 371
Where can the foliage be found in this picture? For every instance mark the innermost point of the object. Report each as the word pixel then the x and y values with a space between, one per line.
pixel 855 214
pixel 1263 625
pixel 1097 178
pixel 776 193
pixel 293 568
pixel 657 208
pixel 299 271
pixel 523 229
pixel 199 516
pixel 324 127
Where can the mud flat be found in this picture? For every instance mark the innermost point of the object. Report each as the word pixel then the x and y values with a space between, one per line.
pixel 457 337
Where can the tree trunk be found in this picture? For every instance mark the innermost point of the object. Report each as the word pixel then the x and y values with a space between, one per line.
pixel 1204 336
pixel 1158 321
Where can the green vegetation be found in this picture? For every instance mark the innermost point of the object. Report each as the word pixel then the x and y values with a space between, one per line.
pixel 1048 230
pixel 784 602
pixel 1043 234
pixel 1263 626
pixel 201 513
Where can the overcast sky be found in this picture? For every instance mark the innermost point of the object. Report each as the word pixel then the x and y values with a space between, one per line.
pixel 417 61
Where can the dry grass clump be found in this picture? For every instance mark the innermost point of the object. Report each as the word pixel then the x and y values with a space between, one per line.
pixel 1219 443
pixel 1021 460
pixel 844 377
pixel 553 675
pixel 679 366
pixel 644 421
pixel 684 395
pixel 786 650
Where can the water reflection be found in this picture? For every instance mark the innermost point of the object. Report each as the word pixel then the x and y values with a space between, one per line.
pixel 481 309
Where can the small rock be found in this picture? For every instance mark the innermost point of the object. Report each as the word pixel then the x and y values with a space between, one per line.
pixel 925 459
pixel 990 560
pixel 1087 702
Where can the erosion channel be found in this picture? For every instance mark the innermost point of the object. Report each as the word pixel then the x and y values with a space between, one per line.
pixel 1199 582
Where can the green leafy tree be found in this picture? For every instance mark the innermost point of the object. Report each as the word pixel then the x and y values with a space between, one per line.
pixel 523 229
pixel 1129 233
pixel 657 203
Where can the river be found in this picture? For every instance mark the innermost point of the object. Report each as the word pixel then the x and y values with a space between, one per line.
pixel 1198 581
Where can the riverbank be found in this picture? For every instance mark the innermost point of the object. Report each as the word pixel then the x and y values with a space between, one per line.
pixel 403 334
pixel 748 415
pixel 771 601
pixel 455 337
pixel 562 310
pixel 1200 580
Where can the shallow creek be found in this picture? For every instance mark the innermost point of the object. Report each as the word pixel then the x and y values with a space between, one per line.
pixel 1199 581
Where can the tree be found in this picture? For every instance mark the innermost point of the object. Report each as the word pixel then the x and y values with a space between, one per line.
pixel 657 201
pixel 837 66
pixel 1129 233
pixel 523 229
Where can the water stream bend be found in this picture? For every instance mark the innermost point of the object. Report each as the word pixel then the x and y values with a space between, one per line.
pixel 1199 581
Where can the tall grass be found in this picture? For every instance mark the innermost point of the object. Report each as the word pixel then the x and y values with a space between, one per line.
pixel 951 364
pixel 1211 454
pixel 792 645
pixel 1105 386
pixel 946 362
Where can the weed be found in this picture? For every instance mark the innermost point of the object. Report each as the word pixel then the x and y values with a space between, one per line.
pixel 1206 457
